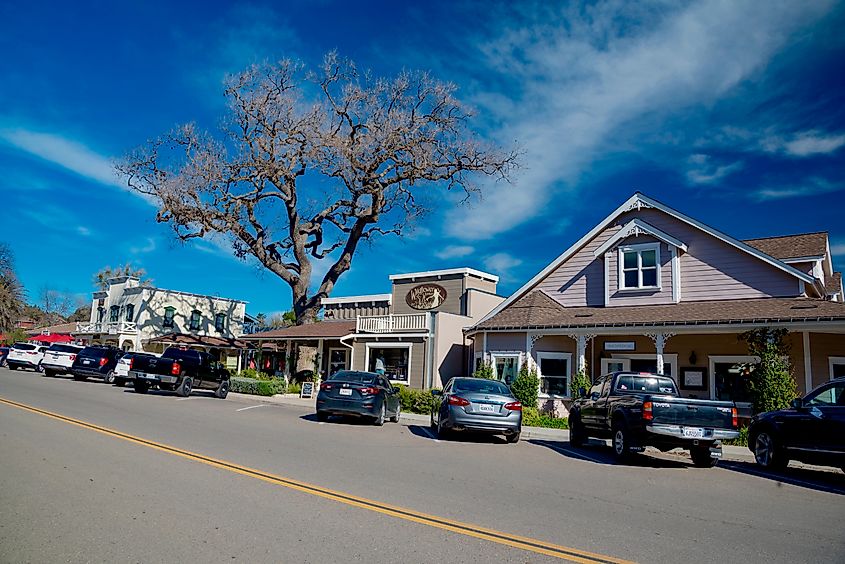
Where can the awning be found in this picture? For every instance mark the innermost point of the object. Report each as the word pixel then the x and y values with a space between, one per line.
pixel 51 338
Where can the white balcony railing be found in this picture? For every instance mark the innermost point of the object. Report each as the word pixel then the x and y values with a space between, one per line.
pixel 111 328
pixel 393 323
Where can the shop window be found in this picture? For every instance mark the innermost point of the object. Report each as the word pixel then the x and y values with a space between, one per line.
pixel 130 312
pixel 506 367
pixel 114 314
pixel 837 366
pixel 169 313
pixel 220 322
pixel 338 360
pixel 196 316
pixel 554 373
pixel 394 362
pixel 733 380
pixel 639 267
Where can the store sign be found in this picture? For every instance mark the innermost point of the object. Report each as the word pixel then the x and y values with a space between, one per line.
pixel 426 296
pixel 619 345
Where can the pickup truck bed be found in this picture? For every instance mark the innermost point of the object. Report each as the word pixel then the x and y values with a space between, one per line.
pixel 636 410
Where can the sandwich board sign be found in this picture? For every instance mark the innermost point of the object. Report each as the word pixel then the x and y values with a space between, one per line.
pixel 307 390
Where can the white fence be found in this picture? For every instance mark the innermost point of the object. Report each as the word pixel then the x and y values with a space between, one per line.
pixel 393 323
pixel 111 328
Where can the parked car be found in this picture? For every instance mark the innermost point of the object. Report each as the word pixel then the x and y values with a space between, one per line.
pixel 98 361
pixel 59 358
pixel 638 409
pixel 124 365
pixel 811 431
pixel 4 352
pixel 360 394
pixel 476 404
pixel 25 355
pixel 180 370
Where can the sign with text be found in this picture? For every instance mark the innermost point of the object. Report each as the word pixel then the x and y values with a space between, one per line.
pixel 426 296
pixel 307 390
pixel 620 345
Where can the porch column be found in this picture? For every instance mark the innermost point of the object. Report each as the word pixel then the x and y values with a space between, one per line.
pixel 288 356
pixel 808 363
pixel 659 344
pixel 484 347
pixel 581 361
pixel 320 359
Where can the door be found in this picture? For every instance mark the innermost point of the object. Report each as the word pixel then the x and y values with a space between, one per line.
pixel 615 365
pixel 823 426
pixel 589 405
pixel 390 396
pixel 338 360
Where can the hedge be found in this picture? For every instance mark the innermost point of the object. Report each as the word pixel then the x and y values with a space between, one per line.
pixel 416 401
pixel 256 387
pixel 531 417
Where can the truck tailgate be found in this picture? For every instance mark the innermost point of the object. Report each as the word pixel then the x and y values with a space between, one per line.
pixel 691 412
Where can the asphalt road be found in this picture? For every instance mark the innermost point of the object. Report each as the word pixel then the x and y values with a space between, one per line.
pixel 71 493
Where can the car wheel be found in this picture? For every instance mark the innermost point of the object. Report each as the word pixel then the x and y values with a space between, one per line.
pixel 768 453
pixel 49 373
pixel 621 441
pixel 109 377
pixel 39 368
pixel 12 367
pixel 185 387
pixel 381 415
pixel 576 431
pixel 701 457
pixel 322 416
pixel 119 381
pixel 141 387
pixel 222 390
pixel 513 437
pixel 395 418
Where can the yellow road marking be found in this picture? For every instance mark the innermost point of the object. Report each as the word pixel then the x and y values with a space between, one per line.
pixel 492 535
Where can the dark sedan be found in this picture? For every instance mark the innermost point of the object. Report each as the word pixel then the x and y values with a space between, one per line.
pixel 96 362
pixel 361 394
pixel 812 430
pixel 476 404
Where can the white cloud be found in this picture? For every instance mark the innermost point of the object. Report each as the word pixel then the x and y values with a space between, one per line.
pixel 148 247
pixel 838 248
pixel 454 251
pixel 810 187
pixel 593 77
pixel 501 264
pixel 82 230
pixel 704 171
pixel 806 144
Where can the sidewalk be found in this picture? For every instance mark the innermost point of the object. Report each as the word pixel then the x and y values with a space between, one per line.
pixel 735 453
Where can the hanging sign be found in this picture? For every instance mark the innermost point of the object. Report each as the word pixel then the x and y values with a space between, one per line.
pixel 619 345
pixel 426 296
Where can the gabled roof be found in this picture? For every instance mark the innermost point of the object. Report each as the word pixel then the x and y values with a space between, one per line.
pixel 637 227
pixel 639 201
pixel 792 246
pixel 833 285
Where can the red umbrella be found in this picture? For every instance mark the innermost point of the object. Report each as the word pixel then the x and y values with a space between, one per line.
pixel 51 338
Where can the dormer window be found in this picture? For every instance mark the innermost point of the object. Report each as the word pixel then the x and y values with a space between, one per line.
pixel 639 267
pixel 196 316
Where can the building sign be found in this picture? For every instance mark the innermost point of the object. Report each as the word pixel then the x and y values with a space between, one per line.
pixel 426 296
pixel 619 345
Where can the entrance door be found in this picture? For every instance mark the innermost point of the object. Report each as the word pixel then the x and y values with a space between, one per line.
pixel 338 360
pixel 609 365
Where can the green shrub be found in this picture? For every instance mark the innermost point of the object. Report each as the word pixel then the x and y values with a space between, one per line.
pixel 485 370
pixel 256 387
pixel 254 374
pixel 580 380
pixel 416 401
pixel 526 386
pixel 294 388
pixel 773 386
pixel 531 417
pixel 741 440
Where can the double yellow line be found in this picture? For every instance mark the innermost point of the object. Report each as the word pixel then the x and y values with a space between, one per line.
pixel 523 543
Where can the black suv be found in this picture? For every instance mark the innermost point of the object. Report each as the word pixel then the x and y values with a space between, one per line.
pixel 812 430
pixel 96 362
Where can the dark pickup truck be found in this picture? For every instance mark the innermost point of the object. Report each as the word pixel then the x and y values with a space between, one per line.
pixel 179 370
pixel 636 410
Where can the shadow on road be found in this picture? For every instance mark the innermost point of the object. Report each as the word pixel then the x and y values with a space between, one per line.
pixel 341 420
pixel 167 393
pixel 599 453
pixel 819 480
pixel 426 432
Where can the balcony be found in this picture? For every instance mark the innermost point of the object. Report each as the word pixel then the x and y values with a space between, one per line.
pixel 110 328
pixel 410 323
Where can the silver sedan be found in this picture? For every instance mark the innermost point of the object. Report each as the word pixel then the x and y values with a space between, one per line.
pixel 476 404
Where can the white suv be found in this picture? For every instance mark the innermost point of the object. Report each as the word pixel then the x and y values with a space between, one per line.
pixel 59 358
pixel 25 355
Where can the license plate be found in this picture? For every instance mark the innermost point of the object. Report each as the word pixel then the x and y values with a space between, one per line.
pixel 694 432
pixel 86 361
pixel 345 392
pixel 486 408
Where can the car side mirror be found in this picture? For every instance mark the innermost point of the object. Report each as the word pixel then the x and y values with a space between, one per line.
pixel 582 391
pixel 798 403
pixel 436 393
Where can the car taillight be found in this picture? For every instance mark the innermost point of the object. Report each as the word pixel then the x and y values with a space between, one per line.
pixel 457 400
pixel 72 357
pixel 131 360
pixel 648 413
pixel 103 361
pixel 175 369
pixel 325 387
pixel 514 406
pixel 368 390
pixel 734 418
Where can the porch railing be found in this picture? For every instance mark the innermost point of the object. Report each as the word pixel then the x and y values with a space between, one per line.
pixel 111 327
pixel 400 323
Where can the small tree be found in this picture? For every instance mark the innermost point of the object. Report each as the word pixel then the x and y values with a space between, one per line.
pixel 101 278
pixel 772 382
pixel 12 293
pixel 485 370
pixel 526 386
pixel 580 380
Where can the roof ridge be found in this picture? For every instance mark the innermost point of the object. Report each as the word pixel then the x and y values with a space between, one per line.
pixel 785 236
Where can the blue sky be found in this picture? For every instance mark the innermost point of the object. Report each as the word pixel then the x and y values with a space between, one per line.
pixel 729 112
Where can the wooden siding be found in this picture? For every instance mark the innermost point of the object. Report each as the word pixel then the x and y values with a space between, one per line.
pixel 823 346
pixel 454 287
pixel 580 280
pixel 643 297
pixel 503 342
pixel 417 360
pixel 339 312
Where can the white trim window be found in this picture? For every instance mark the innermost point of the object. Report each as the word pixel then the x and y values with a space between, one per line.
pixel 506 365
pixel 391 359
pixel 639 267
pixel 837 366
pixel 555 372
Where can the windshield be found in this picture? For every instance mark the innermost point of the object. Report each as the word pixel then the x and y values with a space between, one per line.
pixel 645 383
pixel 64 348
pixel 480 386
pixel 356 377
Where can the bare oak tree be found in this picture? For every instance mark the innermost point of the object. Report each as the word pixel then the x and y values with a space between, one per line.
pixel 312 164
